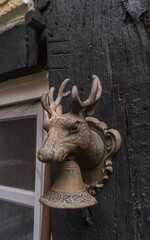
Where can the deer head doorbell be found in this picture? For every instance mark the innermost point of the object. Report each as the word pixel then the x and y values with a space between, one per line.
pixel 83 144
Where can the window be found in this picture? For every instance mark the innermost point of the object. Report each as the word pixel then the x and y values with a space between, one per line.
pixel 21 173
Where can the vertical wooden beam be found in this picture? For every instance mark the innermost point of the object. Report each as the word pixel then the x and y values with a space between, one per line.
pixel 45 233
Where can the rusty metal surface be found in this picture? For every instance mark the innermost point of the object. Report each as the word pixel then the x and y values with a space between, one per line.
pixel 69 190
pixel 76 135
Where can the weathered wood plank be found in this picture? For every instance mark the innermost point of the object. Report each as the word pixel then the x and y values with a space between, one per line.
pixel 18 53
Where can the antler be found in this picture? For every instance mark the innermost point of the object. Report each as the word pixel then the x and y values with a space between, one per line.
pixel 54 107
pixel 87 107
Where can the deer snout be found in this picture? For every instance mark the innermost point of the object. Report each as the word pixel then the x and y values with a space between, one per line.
pixel 52 151
pixel 44 155
pixel 51 156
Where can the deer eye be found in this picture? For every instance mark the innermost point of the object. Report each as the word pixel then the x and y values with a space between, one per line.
pixel 75 127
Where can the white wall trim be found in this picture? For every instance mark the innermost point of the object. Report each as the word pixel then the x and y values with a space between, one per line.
pixel 23 88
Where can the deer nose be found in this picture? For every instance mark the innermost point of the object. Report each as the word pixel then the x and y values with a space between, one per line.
pixel 45 156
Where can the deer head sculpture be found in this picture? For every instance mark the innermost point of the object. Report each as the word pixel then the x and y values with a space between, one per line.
pixel 76 135
pixel 68 133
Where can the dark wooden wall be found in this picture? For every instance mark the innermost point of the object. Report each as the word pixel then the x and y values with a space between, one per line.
pixel 110 39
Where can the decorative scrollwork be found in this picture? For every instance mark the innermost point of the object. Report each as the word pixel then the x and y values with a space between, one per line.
pixel 67 200
pixel 112 141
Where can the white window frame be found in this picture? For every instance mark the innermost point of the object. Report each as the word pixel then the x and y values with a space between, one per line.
pixel 16 91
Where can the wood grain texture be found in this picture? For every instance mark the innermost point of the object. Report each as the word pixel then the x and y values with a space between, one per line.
pixel 18 53
pixel 108 39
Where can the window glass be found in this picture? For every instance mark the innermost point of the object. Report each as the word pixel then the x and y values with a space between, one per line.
pixel 18 153
pixel 16 222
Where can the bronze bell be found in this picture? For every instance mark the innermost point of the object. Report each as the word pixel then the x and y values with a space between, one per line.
pixel 68 191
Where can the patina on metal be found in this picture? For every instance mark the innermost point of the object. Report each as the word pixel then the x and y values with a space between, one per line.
pixel 68 191
pixel 77 135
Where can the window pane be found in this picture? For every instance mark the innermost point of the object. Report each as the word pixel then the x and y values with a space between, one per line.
pixel 18 153
pixel 16 222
